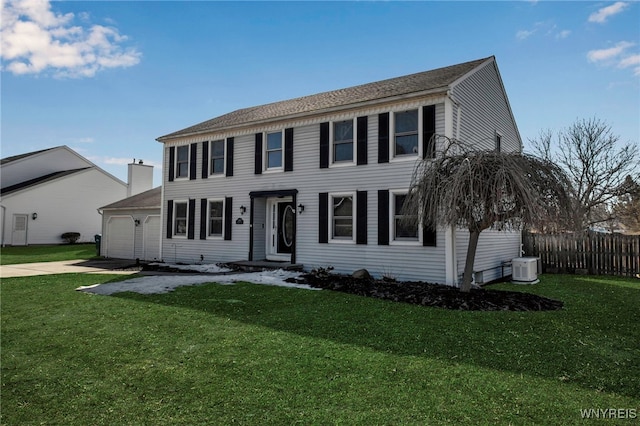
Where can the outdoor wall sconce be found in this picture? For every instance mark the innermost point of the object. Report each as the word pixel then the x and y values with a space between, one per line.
pixel 34 216
pixel 300 208
pixel 243 209
pixel 137 222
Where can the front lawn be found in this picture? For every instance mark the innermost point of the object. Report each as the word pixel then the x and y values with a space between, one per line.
pixel 46 253
pixel 253 354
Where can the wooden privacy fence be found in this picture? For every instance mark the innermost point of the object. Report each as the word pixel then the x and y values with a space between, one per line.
pixel 585 253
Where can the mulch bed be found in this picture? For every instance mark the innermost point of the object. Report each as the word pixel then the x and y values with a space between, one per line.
pixel 441 296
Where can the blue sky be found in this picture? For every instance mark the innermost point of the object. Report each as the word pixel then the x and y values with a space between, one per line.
pixel 108 78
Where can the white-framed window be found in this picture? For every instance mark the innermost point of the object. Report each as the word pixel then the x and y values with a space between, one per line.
pixel 342 218
pixel 343 137
pixel 216 218
pixel 180 215
pixel 182 162
pixel 274 152
pixel 217 154
pixel 405 134
pixel 401 231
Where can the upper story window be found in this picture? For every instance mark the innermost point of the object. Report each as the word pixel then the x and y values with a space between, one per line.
pixel 342 222
pixel 405 133
pixel 274 151
pixel 217 157
pixel 216 218
pixel 402 231
pixel 182 161
pixel 343 141
pixel 180 219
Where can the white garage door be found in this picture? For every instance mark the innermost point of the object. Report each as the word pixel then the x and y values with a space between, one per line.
pixel 151 231
pixel 120 237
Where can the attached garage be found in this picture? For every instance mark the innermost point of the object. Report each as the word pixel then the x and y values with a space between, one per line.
pixel 131 227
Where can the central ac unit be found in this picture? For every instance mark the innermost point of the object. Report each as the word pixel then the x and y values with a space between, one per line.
pixel 524 270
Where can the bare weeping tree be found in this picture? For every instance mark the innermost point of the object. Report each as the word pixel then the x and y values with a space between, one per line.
pixel 478 190
pixel 597 164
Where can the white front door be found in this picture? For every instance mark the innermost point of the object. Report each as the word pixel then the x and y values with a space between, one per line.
pixel 280 228
pixel 19 230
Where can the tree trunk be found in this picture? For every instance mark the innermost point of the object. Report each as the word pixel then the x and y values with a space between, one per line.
pixel 468 265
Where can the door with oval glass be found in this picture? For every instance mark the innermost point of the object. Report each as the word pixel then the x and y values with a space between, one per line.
pixel 280 228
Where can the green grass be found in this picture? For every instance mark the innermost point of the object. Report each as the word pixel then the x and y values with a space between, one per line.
pixel 46 253
pixel 250 354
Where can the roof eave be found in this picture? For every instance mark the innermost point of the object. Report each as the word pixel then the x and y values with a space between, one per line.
pixel 323 111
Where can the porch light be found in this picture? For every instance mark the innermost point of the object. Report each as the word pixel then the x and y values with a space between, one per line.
pixel 243 209
pixel 300 208
pixel 34 216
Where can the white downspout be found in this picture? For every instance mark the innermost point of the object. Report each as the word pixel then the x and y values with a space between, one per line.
pixel 451 269
pixel 4 216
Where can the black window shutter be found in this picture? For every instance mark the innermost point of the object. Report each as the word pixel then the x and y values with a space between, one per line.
pixel 228 213
pixel 428 130
pixel 288 149
pixel 169 218
pixel 172 163
pixel 229 159
pixel 383 137
pixel 192 219
pixel 324 145
pixel 205 160
pixel 258 151
pixel 363 130
pixel 193 151
pixel 383 217
pixel 361 217
pixel 428 236
pixel 323 214
pixel 203 218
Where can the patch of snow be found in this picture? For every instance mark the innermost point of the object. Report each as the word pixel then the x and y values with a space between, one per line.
pixel 205 269
pixel 155 284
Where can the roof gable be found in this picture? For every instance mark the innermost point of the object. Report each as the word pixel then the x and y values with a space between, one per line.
pixel 434 80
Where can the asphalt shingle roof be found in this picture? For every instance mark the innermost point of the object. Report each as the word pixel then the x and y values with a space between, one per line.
pixel 21 156
pixel 147 199
pixel 419 82
pixel 37 181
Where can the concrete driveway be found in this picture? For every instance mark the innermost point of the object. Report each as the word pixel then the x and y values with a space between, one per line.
pixel 106 266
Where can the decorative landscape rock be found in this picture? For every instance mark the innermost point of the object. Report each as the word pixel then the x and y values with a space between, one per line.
pixel 435 295
pixel 362 274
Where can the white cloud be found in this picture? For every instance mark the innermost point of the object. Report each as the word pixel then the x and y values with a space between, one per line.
pixel 524 34
pixel 617 56
pixel 563 34
pixel 34 39
pixel 609 53
pixel 605 13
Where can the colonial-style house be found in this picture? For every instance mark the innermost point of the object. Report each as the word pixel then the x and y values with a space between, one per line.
pixel 53 191
pixel 320 180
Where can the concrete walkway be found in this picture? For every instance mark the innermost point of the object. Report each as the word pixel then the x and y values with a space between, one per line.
pixel 111 266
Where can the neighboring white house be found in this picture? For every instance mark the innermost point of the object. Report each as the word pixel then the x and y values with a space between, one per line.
pixel 49 192
pixel 131 227
pixel 319 180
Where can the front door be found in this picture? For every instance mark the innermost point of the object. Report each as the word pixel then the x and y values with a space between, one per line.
pixel 19 230
pixel 280 228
